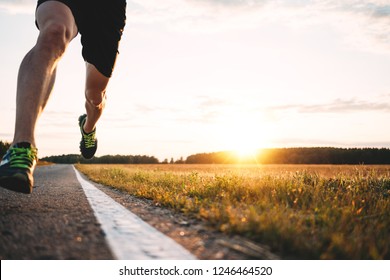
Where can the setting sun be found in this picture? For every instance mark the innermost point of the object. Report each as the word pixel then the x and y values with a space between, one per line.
pixel 245 152
pixel 244 136
pixel 245 146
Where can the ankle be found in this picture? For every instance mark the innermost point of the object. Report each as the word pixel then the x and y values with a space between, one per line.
pixel 23 143
pixel 88 129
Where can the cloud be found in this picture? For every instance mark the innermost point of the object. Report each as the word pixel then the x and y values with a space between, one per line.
pixel 207 102
pixel 336 106
pixel 365 23
pixel 194 15
pixel 316 142
pixel 211 110
pixel 18 6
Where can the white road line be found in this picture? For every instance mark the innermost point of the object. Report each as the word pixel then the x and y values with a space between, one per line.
pixel 128 237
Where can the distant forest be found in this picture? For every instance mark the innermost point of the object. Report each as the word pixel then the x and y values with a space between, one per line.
pixel 320 155
pixel 109 159
pixel 266 156
pixel 317 155
pixel 3 148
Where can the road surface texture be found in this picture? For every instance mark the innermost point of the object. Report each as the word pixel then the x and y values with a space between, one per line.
pixel 57 222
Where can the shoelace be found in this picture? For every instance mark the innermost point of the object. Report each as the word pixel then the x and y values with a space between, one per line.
pixel 89 140
pixel 23 157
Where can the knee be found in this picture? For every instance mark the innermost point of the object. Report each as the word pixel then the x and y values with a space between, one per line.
pixel 95 98
pixel 54 38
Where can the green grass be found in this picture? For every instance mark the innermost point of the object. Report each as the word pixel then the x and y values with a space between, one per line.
pixel 301 212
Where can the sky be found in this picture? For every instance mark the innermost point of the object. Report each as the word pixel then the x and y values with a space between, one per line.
pixel 197 76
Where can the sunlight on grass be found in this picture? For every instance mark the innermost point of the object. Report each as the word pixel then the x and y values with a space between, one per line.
pixel 315 212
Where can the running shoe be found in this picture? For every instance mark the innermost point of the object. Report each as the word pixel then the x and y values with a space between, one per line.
pixel 88 143
pixel 17 168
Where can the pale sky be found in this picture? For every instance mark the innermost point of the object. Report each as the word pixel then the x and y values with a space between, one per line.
pixel 198 76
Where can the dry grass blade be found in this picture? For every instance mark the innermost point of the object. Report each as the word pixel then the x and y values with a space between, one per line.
pixel 249 248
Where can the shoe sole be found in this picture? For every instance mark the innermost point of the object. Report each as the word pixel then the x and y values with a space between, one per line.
pixel 17 183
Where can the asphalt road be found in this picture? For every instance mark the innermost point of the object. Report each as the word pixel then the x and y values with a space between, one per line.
pixel 54 222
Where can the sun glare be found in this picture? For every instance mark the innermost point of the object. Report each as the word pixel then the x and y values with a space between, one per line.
pixel 245 149
pixel 244 152
pixel 245 137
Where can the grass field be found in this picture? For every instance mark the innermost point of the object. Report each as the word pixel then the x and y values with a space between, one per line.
pixel 300 211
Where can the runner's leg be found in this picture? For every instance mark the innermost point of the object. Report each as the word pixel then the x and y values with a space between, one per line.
pixel 95 96
pixel 38 68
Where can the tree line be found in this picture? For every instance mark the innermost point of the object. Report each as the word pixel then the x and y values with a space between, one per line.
pixel 316 155
pixel 3 148
pixel 107 159
pixel 320 155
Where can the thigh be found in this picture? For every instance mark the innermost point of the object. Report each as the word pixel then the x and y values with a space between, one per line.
pixel 56 12
pixel 101 30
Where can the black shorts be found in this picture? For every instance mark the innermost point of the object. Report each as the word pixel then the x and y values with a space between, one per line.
pixel 100 24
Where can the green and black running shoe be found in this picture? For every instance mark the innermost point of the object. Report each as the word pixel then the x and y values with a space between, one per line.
pixel 88 143
pixel 17 168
